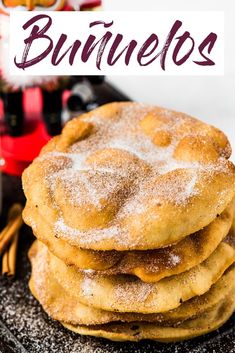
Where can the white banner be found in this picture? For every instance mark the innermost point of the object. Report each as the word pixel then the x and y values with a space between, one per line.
pixel 117 43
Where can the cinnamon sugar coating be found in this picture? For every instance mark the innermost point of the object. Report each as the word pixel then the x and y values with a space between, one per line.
pixel 62 306
pixel 123 293
pixel 129 176
pixel 205 323
pixel 148 265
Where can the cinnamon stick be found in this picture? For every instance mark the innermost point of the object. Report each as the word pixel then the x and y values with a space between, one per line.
pixel 15 221
pixel 9 258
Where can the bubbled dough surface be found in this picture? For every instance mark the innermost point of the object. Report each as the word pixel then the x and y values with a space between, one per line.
pixel 149 265
pixel 62 306
pixel 129 294
pixel 131 176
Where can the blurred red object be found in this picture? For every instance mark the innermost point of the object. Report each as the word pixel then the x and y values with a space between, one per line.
pixel 18 152
pixel 88 4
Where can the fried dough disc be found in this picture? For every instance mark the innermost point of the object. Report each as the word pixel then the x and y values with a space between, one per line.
pixel 129 176
pixel 206 323
pixel 60 305
pixel 128 294
pixel 149 266
pixel 71 255
pixel 154 265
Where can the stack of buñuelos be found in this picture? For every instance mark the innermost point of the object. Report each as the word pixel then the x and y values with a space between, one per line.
pixel 132 207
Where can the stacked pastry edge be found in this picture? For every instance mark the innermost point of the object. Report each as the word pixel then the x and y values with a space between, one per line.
pixel 133 211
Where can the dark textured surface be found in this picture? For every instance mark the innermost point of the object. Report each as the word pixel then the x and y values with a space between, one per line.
pixel 24 327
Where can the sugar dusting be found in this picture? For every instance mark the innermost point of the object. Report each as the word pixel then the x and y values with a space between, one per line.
pixel 138 292
pixel 126 179
pixel 32 327
pixel 173 260
pixel 61 226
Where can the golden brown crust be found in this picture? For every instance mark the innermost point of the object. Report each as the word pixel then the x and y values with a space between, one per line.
pixel 149 266
pixel 133 208
pixel 128 176
pixel 128 294
pixel 62 306
pixel 137 331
